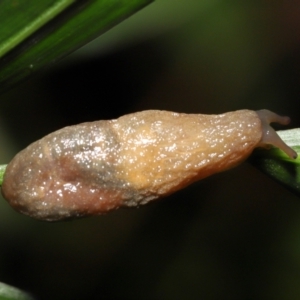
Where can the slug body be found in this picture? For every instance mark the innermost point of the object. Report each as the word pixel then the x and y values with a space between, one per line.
pixel 92 168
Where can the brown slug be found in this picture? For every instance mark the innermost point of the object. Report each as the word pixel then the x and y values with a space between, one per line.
pixel 95 167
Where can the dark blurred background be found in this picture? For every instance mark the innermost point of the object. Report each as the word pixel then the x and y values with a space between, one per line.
pixel 235 235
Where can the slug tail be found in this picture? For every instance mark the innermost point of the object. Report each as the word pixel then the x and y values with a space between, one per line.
pixel 269 135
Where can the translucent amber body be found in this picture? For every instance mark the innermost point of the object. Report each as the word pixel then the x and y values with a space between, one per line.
pixel 95 167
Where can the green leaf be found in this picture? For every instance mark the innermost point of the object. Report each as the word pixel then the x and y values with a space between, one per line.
pixel 276 164
pixel 8 292
pixel 34 33
pixel 21 25
pixel 2 171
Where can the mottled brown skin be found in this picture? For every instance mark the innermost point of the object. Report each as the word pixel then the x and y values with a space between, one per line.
pixel 92 168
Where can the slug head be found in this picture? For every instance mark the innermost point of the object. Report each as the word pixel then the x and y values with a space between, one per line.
pixel 269 135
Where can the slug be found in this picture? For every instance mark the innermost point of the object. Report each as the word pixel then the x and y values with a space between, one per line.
pixel 96 167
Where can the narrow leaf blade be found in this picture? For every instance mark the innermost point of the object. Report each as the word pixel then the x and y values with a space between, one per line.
pixel 8 292
pixel 53 31
pixel 276 164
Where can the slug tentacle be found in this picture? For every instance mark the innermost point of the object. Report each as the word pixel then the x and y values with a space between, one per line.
pixel 269 136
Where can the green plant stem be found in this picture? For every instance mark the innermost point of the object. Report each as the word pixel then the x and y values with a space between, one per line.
pixel 2 171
